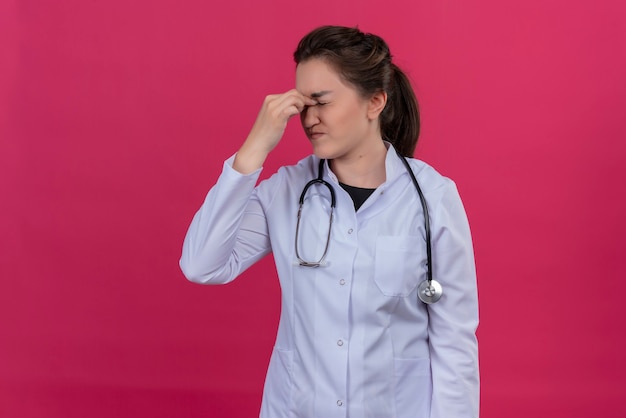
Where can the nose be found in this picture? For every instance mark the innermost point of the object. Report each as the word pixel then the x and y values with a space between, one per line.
pixel 309 117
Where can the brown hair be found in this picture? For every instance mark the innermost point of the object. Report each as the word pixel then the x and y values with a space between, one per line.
pixel 364 61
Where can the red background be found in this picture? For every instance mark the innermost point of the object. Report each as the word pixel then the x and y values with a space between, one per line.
pixel 116 116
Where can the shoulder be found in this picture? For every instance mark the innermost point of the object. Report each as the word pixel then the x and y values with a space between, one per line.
pixel 303 168
pixel 287 177
pixel 429 179
pixel 297 172
pixel 440 191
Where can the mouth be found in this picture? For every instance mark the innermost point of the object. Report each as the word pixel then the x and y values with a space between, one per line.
pixel 315 135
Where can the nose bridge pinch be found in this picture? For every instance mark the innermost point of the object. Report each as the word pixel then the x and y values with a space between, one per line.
pixel 310 116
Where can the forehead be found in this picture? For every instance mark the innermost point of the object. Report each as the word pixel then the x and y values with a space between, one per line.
pixel 315 75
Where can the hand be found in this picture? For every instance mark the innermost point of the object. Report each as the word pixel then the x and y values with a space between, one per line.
pixel 268 129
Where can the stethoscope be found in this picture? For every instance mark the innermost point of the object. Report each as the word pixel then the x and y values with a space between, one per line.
pixel 429 291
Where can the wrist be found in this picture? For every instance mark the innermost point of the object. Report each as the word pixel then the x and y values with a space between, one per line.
pixel 249 158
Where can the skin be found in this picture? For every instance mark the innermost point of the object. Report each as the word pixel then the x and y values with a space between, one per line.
pixel 341 125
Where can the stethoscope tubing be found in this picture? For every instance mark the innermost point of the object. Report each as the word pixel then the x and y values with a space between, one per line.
pixel 426 217
pixel 429 291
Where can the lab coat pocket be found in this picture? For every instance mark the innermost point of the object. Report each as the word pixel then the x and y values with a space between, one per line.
pixel 413 386
pixel 400 264
pixel 278 383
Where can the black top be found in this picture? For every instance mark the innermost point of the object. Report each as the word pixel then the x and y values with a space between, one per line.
pixel 358 194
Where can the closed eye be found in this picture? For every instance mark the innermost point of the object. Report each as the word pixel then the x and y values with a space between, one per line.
pixel 316 104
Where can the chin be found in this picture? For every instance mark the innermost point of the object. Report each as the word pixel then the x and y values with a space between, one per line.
pixel 324 153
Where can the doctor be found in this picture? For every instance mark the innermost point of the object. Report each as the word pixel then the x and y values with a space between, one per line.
pixel 354 340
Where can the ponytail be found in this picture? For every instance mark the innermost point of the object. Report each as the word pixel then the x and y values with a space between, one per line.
pixel 400 120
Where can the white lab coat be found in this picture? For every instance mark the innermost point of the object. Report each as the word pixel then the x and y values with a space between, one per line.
pixel 353 338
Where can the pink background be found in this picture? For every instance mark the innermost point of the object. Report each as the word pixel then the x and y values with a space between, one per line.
pixel 115 119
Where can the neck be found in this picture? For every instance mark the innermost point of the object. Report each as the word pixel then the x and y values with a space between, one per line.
pixel 364 169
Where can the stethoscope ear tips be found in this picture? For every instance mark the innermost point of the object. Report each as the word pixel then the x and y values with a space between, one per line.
pixel 429 292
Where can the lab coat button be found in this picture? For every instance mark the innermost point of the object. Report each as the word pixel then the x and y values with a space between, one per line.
pixel 350 231
pixel 340 343
pixel 342 282
pixel 339 402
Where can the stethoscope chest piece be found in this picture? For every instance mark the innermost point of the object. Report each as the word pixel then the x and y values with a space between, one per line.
pixel 429 291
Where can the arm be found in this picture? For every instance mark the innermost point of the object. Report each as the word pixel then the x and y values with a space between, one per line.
pixel 229 232
pixel 454 319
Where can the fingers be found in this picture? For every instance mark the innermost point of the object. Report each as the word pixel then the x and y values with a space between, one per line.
pixel 288 104
pixel 269 127
pixel 272 120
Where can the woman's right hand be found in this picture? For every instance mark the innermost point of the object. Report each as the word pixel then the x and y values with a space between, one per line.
pixel 268 129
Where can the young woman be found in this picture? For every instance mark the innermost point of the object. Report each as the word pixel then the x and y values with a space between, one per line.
pixel 351 247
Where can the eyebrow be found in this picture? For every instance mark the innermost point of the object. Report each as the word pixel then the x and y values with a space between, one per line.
pixel 319 94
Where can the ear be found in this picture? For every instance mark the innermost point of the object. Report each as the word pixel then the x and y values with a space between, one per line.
pixel 376 104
